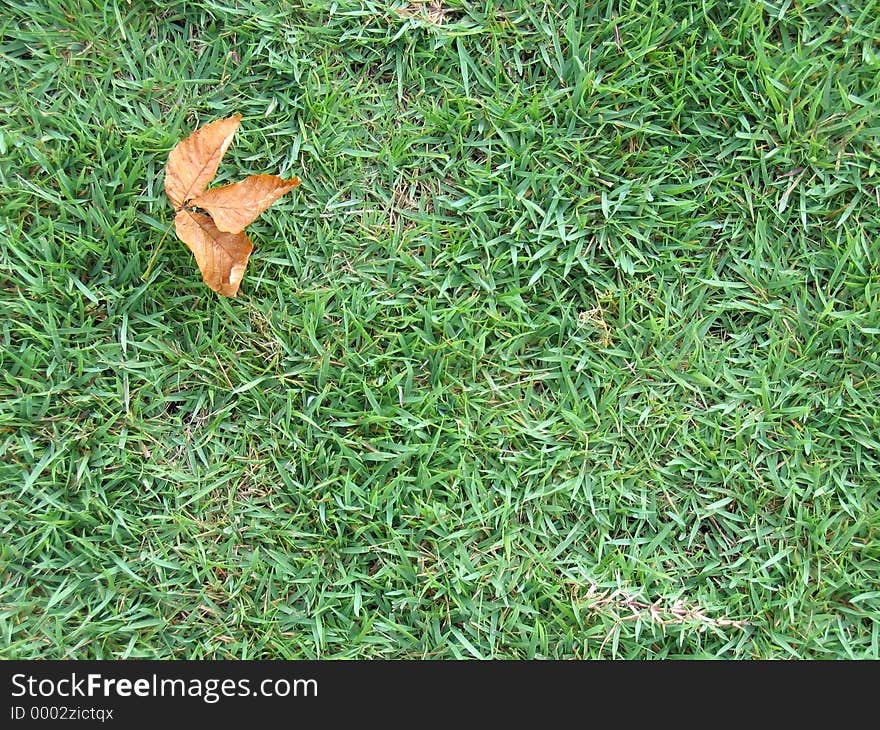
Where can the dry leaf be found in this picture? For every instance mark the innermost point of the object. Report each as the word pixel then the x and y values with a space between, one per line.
pixel 193 163
pixel 214 232
pixel 222 256
pixel 235 206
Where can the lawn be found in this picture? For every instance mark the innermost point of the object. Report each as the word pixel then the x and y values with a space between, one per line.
pixel 566 347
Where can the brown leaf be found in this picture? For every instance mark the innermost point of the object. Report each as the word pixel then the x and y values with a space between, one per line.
pixel 193 163
pixel 235 206
pixel 221 256
pixel 216 237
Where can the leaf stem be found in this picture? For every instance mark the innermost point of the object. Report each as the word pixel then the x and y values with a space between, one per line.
pixel 155 253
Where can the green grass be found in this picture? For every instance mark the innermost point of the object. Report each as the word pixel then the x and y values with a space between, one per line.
pixel 566 347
